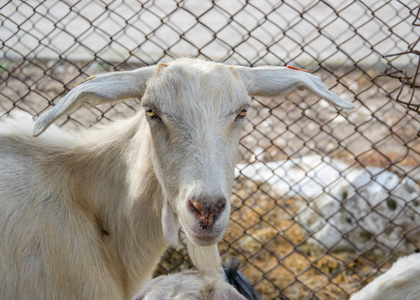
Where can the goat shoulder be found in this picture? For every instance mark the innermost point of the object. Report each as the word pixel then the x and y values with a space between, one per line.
pixel 75 206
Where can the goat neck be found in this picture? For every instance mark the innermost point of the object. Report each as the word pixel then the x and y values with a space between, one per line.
pixel 110 178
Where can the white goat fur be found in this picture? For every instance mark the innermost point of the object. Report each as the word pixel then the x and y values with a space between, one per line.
pixel 81 212
pixel 188 285
pixel 401 281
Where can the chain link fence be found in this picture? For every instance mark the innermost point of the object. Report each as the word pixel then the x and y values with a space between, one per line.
pixel 324 201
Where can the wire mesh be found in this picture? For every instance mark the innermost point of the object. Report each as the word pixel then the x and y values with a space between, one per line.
pixel 323 200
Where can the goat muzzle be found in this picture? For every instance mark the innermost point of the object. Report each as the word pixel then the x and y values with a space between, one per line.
pixel 206 211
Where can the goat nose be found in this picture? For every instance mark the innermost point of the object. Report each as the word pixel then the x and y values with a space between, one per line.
pixel 206 211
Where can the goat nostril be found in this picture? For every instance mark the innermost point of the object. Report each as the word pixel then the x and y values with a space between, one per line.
pixel 220 205
pixel 206 211
pixel 195 207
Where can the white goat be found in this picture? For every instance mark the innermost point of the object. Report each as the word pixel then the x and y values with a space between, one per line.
pixel 88 215
pixel 401 281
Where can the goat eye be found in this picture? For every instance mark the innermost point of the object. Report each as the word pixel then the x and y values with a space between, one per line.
pixel 152 115
pixel 242 113
pixel 151 112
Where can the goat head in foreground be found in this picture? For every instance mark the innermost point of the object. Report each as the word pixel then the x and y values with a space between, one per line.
pixel 188 285
pixel 88 214
pixel 195 111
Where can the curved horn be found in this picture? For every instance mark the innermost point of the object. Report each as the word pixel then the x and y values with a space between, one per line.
pixel 98 89
pixel 275 81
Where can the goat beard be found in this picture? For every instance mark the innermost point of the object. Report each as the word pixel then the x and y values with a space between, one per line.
pixel 205 258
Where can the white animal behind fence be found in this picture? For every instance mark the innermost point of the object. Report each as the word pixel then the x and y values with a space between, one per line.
pixel 401 281
pixel 88 214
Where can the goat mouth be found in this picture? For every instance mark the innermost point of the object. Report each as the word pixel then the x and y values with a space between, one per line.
pixel 202 237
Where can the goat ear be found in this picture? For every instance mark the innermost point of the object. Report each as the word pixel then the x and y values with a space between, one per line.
pixel 108 87
pixel 275 81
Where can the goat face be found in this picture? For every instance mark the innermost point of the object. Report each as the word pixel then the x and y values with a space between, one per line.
pixel 196 112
